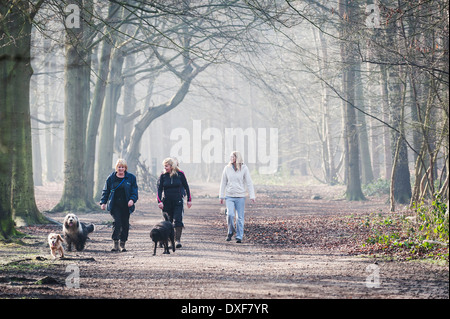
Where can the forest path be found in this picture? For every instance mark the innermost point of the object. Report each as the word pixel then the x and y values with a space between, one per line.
pixel 209 267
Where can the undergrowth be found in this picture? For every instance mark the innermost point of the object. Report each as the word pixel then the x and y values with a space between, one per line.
pixel 424 235
pixel 376 188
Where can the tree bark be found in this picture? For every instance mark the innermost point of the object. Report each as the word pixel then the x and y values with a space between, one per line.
pixel 106 150
pixel 95 110
pixel 151 113
pixel 18 201
pixel 353 191
pixel 387 152
pixel 348 54
pixel 76 105
pixel 366 162
pixel 401 178
pixel 6 133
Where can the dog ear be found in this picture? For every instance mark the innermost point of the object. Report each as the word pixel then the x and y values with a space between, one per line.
pixel 59 237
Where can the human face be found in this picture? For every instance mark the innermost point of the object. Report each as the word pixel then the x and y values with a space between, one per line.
pixel 233 158
pixel 167 168
pixel 121 170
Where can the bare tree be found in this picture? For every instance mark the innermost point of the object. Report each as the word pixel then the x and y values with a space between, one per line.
pixel 17 201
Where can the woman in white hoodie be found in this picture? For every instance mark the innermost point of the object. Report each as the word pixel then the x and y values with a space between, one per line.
pixel 232 188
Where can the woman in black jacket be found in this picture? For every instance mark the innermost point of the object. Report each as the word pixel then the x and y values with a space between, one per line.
pixel 125 196
pixel 174 184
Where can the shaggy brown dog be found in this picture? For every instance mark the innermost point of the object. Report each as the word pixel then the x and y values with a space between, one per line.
pixel 76 232
pixel 55 243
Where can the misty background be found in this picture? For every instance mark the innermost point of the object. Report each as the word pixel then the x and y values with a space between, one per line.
pixel 356 91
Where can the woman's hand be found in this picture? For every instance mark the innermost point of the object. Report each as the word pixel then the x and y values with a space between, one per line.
pixel 161 205
pixel 189 204
pixel 130 203
pixel 103 206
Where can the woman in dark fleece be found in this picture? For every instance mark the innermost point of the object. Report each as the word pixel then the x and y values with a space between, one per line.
pixel 174 185
pixel 126 194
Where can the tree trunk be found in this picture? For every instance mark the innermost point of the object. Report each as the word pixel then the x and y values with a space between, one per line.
pixel 124 123
pixel 36 143
pixel 354 191
pixel 7 102
pixel 106 150
pixel 366 162
pixel 94 118
pixel 95 110
pixel 15 147
pixel 401 178
pixel 327 149
pixel 76 104
pixel 151 113
pixel 387 153
pixel 348 54
pixel 373 106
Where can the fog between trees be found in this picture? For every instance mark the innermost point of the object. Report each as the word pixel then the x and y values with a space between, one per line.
pixel 343 92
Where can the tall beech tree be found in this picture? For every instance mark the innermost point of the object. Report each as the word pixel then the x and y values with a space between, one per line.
pixel 76 106
pixel 348 16
pixel 17 200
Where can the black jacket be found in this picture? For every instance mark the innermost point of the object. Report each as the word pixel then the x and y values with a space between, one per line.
pixel 130 185
pixel 173 187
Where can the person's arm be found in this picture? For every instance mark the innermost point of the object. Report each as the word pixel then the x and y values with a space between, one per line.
pixel 248 180
pixel 223 185
pixel 105 192
pixel 134 192
pixel 186 187
pixel 160 190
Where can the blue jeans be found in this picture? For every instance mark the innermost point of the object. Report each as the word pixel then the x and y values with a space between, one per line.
pixel 235 204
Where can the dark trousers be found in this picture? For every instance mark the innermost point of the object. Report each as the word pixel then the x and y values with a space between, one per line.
pixel 174 208
pixel 121 224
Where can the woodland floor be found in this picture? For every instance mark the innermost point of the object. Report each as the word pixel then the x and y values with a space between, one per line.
pixel 293 247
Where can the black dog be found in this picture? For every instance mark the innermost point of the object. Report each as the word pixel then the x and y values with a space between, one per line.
pixel 162 232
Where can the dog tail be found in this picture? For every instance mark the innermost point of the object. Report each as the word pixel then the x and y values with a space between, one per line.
pixel 90 228
pixel 166 217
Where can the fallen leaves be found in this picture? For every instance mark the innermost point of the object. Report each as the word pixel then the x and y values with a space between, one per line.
pixel 350 235
pixel 328 232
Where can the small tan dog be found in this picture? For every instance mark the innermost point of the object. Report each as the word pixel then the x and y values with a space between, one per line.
pixel 55 243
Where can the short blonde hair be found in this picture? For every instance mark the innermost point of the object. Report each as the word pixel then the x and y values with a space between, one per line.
pixel 173 164
pixel 121 162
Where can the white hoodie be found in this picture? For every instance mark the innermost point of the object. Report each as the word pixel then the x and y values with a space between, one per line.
pixel 233 183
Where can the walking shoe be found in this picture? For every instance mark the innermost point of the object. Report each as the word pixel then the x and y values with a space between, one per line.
pixel 178 231
pixel 229 237
pixel 238 241
pixel 116 246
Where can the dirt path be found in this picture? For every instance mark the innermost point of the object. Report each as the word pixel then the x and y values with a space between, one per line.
pixel 209 267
